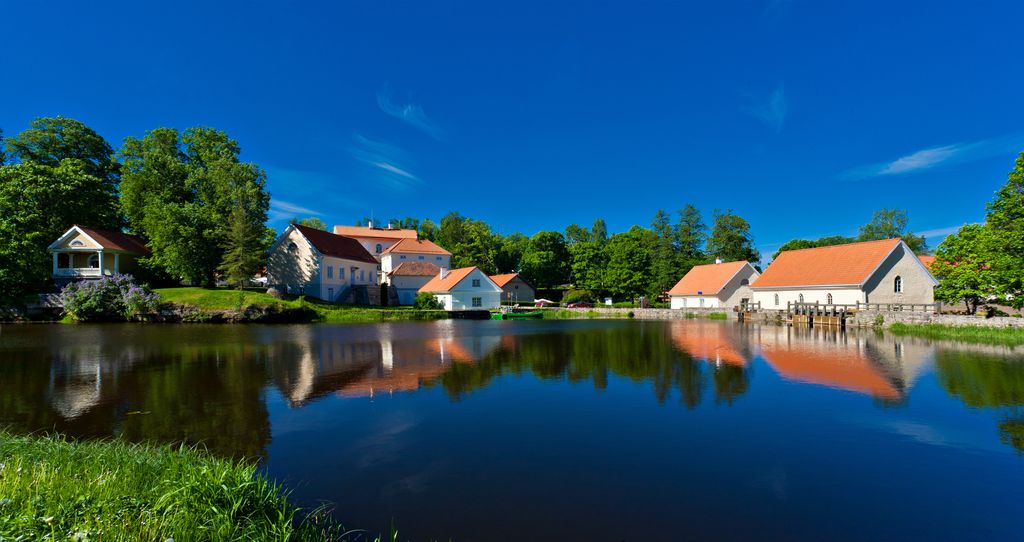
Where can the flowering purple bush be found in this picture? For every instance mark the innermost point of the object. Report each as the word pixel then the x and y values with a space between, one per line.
pixel 115 298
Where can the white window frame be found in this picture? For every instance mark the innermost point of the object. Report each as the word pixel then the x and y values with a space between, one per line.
pixel 476 283
pixel 897 285
pixel 477 302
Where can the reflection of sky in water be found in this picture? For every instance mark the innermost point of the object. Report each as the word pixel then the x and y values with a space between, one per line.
pixel 561 430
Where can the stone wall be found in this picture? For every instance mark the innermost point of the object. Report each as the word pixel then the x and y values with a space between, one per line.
pixel 888 318
pixel 656 314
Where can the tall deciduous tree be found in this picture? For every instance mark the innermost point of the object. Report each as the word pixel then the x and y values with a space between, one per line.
pixel 48 141
pixel 691 236
pixel 731 239
pixel 313 222
pixel 3 148
pixel 963 266
pixel 664 256
pixel 599 232
pixel 179 191
pixel 629 262
pixel 471 242
pixel 510 253
pixel 889 224
pixel 588 261
pixel 545 261
pixel 1006 219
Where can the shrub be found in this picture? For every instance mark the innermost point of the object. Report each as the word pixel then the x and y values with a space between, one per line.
pixel 427 302
pixel 572 296
pixel 115 298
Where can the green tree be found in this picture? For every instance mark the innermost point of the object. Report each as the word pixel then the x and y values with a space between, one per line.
pixel 3 148
pixel 574 233
pixel 962 265
pixel 691 236
pixel 428 230
pixel 797 244
pixel 179 191
pixel 313 222
pixel 599 232
pixel 889 224
pixel 510 253
pixel 731 239
pixel 37 204
pixel 545 261
pixel 471 242
pixel 588 261
pixel 1006 219
pixel 628 273
pixel 664 256
pixel 48 141
pixel 242 257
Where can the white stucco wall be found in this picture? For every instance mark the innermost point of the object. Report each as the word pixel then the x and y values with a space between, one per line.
pixel 840 296
pixel 694 301
pixel 407 287
pixel 460 297
pixel 392 260
pixel 305 270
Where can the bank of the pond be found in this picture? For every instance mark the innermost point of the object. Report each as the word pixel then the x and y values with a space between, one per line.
pixel 1007 336
pixel 223 305
pixel 638 314
pixel 51 488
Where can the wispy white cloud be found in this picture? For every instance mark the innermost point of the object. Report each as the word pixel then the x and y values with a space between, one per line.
pixel 386 162
pixel 771 110
pixel 410 113
pixel 284 210
pixel 933 157
pixel 940 232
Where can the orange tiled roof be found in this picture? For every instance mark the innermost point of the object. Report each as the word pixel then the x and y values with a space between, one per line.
pixel 840 368
pixel 439 285
pixel 376 233
pixel 927 261
pixel 849 264
pixel 707 279
pixel 416 246
pixel 707 341
pixel 115 240
pixel 416 269
pixel 502 280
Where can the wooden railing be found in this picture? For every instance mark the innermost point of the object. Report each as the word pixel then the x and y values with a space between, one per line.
pixel 842 308
pixel 78 272
pixel 901 307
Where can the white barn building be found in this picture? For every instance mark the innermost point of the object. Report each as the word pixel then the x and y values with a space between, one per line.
pixel 714 285
pixel 467 288
pixel 319 264
pixel 868 272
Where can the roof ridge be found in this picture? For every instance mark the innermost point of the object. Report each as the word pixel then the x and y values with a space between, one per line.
pixel 841 245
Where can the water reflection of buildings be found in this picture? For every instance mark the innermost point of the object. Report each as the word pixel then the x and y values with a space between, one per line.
pixel 862 363
pixel 709 341
pixel 316 362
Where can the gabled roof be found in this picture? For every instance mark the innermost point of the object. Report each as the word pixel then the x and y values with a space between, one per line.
pixel 416 246
pixel 338 246
pixel 927 261
pixel 502 280
pixel 376 233
pixel 707 279
pixel 450 281
pixel 416 269
pixel 838 265
pixel 109 240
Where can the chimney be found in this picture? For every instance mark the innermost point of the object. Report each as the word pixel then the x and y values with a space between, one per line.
pixel 718 260
pixel 389 225
pixel 443 273
pixel 369 223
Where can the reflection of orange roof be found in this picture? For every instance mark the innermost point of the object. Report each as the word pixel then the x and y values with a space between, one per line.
pixel 376 233
pixel 450 349
pixel 453 278
pixel 707 341
pixel 927 261
pixel 397 380
pixel 849 264
pixel 416 246
pixel 707 279
pixel 411 368
pixel 843 368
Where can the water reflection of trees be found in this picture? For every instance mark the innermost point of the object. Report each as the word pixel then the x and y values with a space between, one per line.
pixel 984 380
pixel 642 353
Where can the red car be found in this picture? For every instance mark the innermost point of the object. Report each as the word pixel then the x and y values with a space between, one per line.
pixel 579 305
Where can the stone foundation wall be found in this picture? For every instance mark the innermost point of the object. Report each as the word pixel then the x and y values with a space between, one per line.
pixel 656 314
pixel 871 319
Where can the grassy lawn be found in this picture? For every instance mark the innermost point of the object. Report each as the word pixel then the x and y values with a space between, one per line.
pixel 54 489
pixel 222 299
pixel 974 334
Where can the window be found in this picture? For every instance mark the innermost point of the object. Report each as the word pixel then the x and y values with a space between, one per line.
pixel 684 301
pixel 476 283
pixel 379 248
pixel 800 298
pixel 776 300
pixel 478 302
pixel 438 258
pixel 828 299
pixel 341 273
pixel 402 257
pixel 77 243
pixel 292 247
pixel 362 274
pixel 94 261
pixel 745 282
pixel 330 271
pixel 897 285
pixel 702 302
pixel 330 294
pixel 423 257
pixel 63 260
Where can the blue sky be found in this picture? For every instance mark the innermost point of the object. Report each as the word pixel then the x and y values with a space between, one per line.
pixel 801 116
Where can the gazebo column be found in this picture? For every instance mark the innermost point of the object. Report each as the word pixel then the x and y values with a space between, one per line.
pixel 101 262
pixel 117 263
pixel 55 264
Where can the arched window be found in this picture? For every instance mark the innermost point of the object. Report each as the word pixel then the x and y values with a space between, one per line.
pixel 776 300
pixel 684 301
pixel 77 243
pixel 702 302
pixel 828 299
pixel 379 248
pixel 745 282
pixel 94 261
pixel 800 298
pixel 897 285
pixel 292 247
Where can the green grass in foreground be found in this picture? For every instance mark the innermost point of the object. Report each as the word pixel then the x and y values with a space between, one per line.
pixel 975 334
pixel 54 489
pixel 222 299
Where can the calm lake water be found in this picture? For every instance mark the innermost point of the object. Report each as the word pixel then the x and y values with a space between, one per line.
pixel 563 430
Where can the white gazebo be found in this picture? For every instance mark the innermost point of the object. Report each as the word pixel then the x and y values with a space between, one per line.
pixel 83 253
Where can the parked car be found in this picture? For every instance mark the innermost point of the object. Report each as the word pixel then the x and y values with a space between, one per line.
pixel 578 305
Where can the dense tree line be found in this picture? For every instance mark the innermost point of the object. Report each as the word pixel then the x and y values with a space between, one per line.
pixel 639 261
pixel 884 224
pixel 200 209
